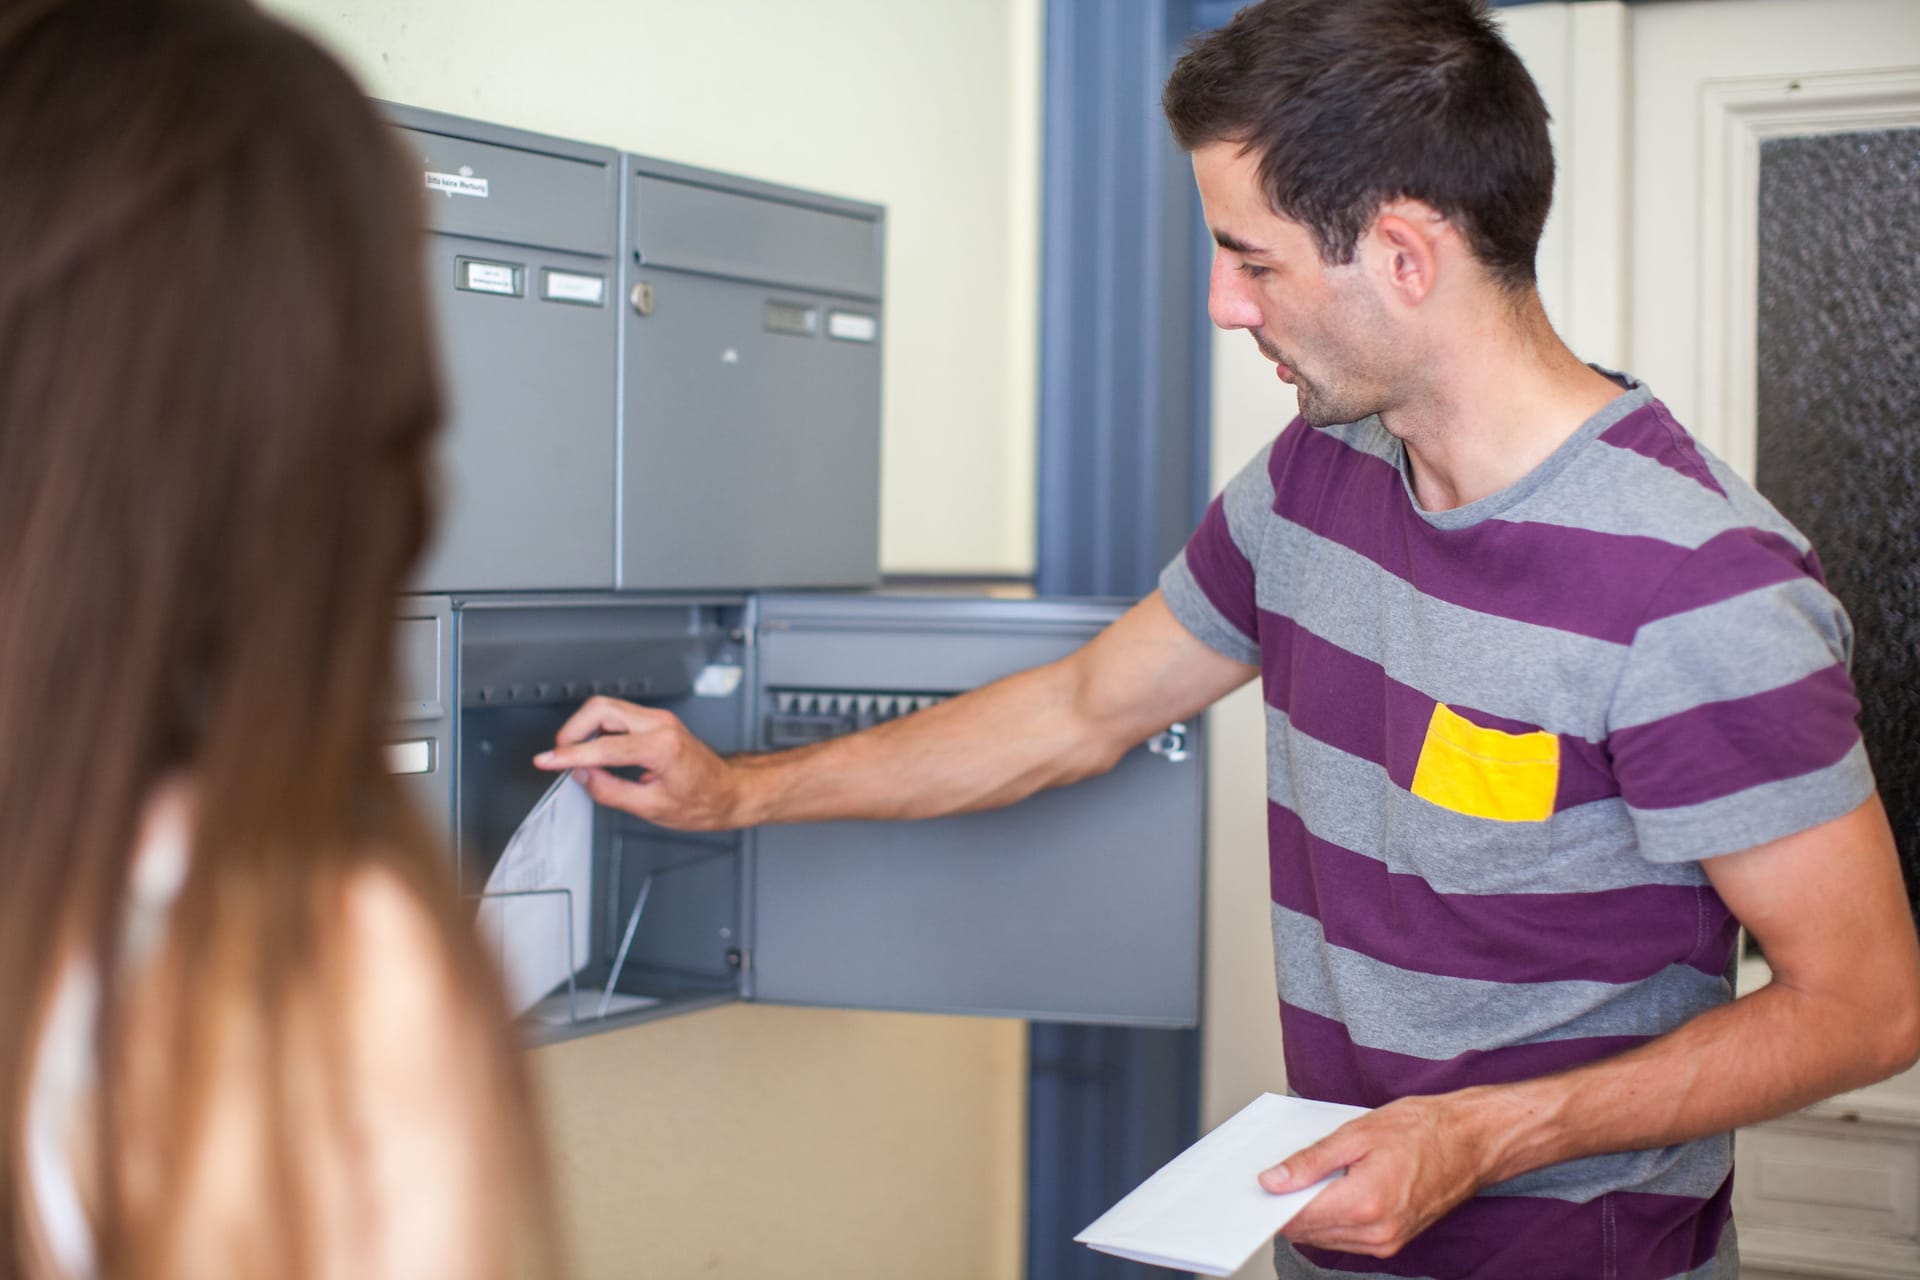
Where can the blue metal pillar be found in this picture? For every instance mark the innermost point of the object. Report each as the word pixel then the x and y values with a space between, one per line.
pixel 1123 478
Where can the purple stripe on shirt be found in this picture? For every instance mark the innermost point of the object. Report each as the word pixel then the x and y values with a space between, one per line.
pixel 1576 580
pixel 1222 570
pixel 1718 749
pixel 1351 703
pixel 1727 565
pixel 1639 1234
pixel 1323 1062
pixel 1611 935
pixel 1651 432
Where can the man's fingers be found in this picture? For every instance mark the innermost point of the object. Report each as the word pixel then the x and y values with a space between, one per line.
pixel 610 751
pixel 1337 1216
pixel 615 792
pixel 1310 1164
pixel 600 715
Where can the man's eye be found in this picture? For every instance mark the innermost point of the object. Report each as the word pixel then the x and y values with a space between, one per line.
pixel 1252 270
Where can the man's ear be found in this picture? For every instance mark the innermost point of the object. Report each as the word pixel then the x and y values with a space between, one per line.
pixel 1406 239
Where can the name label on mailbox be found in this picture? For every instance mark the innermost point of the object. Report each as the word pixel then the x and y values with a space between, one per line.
pixel 852 326
pixel 489 277
pixel 569 286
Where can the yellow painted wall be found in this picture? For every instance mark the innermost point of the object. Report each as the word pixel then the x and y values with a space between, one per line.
pixel 767 1142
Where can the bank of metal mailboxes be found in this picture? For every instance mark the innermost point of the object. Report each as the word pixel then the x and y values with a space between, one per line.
pixel 1081 904
pixel 612 325
pixel 664 388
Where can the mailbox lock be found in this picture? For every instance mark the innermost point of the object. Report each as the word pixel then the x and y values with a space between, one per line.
pixel 1172 743
pixel 642 298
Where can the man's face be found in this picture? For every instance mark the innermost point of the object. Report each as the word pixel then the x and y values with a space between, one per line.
pixel 1325 327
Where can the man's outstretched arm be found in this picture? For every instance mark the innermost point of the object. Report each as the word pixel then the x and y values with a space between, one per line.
pixel 1000 743
pixel 1843 1010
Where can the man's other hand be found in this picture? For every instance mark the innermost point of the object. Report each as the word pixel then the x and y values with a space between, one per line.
pixel 1407 1164
pixel 682 784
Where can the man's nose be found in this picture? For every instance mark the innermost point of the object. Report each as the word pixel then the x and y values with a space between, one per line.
pixel 1230 301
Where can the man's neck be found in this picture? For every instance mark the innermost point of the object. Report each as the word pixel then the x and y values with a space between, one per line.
pixel 1505 395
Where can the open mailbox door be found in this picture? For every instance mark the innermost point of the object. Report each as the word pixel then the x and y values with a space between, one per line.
pixel 1076 905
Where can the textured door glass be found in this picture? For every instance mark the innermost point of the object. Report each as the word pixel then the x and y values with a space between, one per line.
pixel 1839 412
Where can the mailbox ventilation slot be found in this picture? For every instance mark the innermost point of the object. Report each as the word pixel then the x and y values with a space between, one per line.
pixel 800 716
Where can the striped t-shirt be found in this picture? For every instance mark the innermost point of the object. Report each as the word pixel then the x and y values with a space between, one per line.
pixel 1499 740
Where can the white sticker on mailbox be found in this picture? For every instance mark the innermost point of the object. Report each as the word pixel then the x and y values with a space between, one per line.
pixel 457 184
pixel 489 277
pixel 852 326
pixel 570 286
pixel 410 757
pixel 716 680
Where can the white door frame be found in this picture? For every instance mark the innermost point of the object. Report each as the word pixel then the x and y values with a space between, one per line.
pixel 1736 116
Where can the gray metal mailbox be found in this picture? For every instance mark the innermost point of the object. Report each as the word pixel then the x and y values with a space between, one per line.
pixel 665 388
pixel 751 336
pixel 521 273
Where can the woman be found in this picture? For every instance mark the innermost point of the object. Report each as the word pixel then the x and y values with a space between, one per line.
pixel 243 1028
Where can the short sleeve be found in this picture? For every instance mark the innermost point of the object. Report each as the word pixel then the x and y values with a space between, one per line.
pixel 1209 586
pixel 1734 721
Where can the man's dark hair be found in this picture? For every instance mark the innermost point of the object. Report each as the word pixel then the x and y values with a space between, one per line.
pixel 1352 103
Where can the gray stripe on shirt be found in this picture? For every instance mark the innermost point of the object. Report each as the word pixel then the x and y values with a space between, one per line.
pixel 1756 815
pixel 1623 492
pixel 1196 613
pixel 1432 1016
pixel 1670 674
pixel 1503 666
pixel 1248 503
pixel 1690 1169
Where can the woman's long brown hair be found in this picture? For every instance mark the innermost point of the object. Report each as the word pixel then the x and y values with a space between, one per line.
pixel 217 403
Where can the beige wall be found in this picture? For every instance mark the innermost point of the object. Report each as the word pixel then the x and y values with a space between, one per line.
pixel 794 1143
pixel 929 108
pixel 755 1142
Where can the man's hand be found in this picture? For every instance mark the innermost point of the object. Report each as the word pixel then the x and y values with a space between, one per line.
pixel 1843 1010
pixel 1407 1164
pixel 683 785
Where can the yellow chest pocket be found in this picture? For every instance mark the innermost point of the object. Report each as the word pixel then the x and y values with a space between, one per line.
pixel 1484 773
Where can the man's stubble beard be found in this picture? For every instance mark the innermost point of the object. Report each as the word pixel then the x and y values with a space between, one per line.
pixel 1318 404
pixel 1324 403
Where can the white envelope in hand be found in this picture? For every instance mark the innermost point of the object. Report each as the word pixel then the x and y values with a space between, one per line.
pixel 1205 1210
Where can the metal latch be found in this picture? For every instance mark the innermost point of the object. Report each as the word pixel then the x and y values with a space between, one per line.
pixel 1171 743
pixel 642 298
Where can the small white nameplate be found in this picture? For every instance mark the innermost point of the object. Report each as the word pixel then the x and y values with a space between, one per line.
pixel 454 184
pixel 489 277
pixel 569 286
pixel 410 757
pixel 852 326
pixel 716 680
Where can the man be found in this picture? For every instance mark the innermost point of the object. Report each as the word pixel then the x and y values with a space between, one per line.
pixel 1554 700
